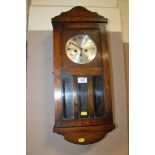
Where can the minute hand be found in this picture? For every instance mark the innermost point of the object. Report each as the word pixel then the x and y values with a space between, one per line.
pixel 76 45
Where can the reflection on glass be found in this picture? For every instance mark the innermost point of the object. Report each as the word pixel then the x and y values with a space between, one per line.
pixel 68 101
pixel 98 96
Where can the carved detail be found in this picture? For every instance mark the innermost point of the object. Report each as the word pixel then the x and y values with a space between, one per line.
pixel 79 14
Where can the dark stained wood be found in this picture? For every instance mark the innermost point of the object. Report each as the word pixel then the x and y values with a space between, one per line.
pixel 73 134
pixel 98 96
pixel 106 72
pixel 68 97
pixel 83 122
pixel 75 87
pixel 83 101
pixel 57 74
pixel 84 72
pixel 86 128
pixel 88 137
pixel 75 14
pixel 81 26
pixel 93 97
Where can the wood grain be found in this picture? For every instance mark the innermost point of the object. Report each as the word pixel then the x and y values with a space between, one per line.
pixel 76 111
pixel 79 14
pixel 92 97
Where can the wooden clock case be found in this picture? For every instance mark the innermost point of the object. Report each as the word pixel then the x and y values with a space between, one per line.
pixel 83 111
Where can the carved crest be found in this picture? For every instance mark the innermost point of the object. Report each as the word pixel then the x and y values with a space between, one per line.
pixel 79 14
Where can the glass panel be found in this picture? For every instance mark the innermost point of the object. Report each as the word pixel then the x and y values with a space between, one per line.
pixel 68 101
pixel 98 96
pixel 83 100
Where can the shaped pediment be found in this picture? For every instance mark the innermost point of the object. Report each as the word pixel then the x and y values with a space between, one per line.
pixel 79 14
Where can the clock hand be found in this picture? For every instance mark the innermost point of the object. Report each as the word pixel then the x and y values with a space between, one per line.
pixel 75 45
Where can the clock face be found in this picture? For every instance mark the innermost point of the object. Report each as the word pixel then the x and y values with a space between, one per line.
pixel 81 49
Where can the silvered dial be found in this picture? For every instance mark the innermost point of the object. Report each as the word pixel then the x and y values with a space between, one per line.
pixel 81 49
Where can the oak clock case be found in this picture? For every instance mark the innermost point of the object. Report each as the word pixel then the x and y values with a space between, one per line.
pixel 82 79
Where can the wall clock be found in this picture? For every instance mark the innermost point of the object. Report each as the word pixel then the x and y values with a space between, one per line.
pixel 82 79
